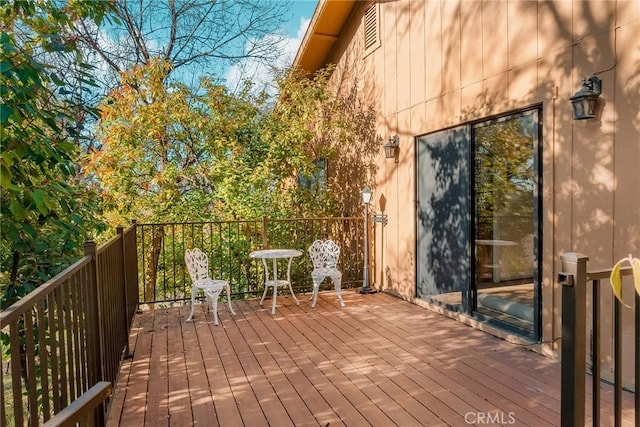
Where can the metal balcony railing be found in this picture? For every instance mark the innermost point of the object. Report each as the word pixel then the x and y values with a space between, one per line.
pixel 576 281
pixel 161 248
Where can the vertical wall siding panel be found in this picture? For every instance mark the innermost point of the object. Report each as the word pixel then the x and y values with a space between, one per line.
pixel 625 87
pixel 593 157
pixel 554 26
pixel 628 12
pixel 555 71
pixel 434 114
pixel 556 174
pixel 390 53
pixel 451 108
pixel 433 47
pixel 470 42
pixel 494 38
pixel 496 90
pixel 419 123
pixel 523 85
pixel 522 31
pixel 472 101
pixel 592 17
pixel 450 47
pixel 403 61
pixel 596 54
pixel 417 46
pixel 406 211
pixel 627 148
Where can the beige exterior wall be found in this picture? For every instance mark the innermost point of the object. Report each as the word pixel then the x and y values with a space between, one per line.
pixel 442 63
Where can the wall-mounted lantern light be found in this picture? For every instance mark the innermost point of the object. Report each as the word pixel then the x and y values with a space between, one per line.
pixel 584 100
pixel 392 148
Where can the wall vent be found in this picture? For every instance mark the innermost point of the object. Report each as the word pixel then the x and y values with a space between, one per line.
pixel 371 28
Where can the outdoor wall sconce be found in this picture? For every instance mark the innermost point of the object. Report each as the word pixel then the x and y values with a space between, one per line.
pixel 584 100
pixel 392 148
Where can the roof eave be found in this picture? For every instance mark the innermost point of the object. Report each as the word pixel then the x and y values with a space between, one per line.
pixel 322 34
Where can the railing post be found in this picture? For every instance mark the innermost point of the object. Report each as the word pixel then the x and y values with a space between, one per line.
pixel 134 299
pixel 265 242
pixel 573 278
pixel 94 341
pixel 123 246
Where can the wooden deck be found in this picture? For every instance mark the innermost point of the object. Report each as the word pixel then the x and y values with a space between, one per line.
pixel 379 361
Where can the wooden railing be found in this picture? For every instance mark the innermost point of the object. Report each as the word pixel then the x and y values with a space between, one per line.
pixel 575 279
pixel 70 333
pixel 161 247
pixel 81 411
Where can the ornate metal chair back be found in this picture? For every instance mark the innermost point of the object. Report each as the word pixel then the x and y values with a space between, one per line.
pixel 198 264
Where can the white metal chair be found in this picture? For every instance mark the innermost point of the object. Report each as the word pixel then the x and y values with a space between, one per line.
pixel 324 256
pixel 198 265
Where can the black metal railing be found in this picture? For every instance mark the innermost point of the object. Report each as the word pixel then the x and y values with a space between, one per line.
pixel 161 247
pixel 70 334
pixel 575 280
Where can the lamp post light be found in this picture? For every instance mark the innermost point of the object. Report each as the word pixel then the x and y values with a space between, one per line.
pixel 366 199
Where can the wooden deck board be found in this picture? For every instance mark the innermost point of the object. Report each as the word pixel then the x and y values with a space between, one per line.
pixel 378 361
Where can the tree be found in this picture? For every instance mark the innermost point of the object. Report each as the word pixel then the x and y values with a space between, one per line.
pixel 196 37
pixel 168 152
pixel 172 153
pixel 44 213
pixel 165 148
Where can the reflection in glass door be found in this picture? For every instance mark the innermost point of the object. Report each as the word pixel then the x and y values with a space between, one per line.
pixel 505 220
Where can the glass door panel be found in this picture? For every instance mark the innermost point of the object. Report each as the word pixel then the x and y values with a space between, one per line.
pixel 505 219
pixel 443 256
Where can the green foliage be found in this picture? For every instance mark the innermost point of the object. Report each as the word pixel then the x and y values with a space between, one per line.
pixel 169 153
pixel 505 175
pixel 44 208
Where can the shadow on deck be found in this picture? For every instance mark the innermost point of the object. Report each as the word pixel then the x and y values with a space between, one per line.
pixel 378 361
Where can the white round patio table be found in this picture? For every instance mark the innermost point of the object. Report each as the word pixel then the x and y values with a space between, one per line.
pixel 272 280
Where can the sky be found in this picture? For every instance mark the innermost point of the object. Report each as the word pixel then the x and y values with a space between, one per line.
pixel 295 27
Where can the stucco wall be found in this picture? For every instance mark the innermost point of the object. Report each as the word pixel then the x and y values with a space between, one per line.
pixel 442 63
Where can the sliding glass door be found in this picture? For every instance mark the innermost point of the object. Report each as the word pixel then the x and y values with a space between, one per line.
pixel 478 220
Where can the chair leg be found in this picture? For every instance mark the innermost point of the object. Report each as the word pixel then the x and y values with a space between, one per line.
pixel 214 305
pixel 314 295
pixel 337 281
pixel 229 299
pixel 194 290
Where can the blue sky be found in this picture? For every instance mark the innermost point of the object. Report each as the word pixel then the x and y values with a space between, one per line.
pixel 295 27
pixel 301 10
